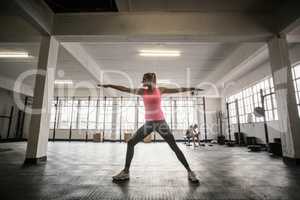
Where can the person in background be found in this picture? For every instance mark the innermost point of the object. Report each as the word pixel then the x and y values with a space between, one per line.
pixel 188 135
pixel 196 135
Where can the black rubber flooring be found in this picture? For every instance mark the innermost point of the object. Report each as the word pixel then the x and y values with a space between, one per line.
pixel 80 170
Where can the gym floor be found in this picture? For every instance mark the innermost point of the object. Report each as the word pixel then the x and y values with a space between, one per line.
pixel 80 170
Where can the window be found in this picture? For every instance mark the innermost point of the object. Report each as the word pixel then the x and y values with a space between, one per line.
pixel 65 107
pixel 296 78
pixel 141 113
pixel 186 111
pixel 166 108
pixel 92 117
pixel 126 114
pixel 249 98
pixel 83 114
pixel 232 110
pixel 97 113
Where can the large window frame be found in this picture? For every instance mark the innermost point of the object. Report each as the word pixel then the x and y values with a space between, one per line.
pixel 249 98
pixel 96 113
pixel 296 80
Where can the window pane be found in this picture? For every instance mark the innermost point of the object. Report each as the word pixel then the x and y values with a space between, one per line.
pixel 297 71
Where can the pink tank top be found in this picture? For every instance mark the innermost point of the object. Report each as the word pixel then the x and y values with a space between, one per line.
pixel 152 104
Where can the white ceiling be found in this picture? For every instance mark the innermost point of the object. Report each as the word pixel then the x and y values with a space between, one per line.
pixel 72 69
pixel 200 59
pixel 11 68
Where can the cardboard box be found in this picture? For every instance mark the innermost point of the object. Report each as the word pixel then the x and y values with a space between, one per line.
pixel 148 139
pixel 127 136
pixel 97 137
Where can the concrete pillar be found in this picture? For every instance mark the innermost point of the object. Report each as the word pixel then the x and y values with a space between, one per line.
pixel 42 97
pixel 285 96
pixel 114 119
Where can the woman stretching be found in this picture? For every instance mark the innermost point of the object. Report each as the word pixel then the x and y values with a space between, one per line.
pixel 155 121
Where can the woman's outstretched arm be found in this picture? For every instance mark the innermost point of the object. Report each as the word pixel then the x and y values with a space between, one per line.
pixel 165 90
pixel 137 91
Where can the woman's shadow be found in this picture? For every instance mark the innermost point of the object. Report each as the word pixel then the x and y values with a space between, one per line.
pixel 123 186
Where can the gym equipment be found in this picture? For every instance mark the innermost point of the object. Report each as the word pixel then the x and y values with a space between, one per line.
pixel 255 148
pixel 88 119
pixel 55 119
pixel 21 118
pixel 230 143
pixel 275 147
pixel 221 137
pixel 187 141
pixel 260 112
pixel 204 118
pixel 71 123
pixel 9 117
pixel 239 138
pixel 238 135
pixel 103 139
pixel 251 140
pixel 204 115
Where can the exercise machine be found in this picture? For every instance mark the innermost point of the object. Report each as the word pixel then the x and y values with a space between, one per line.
pixel 261 112
pixel 55 119
pixel 71 122
pixel 9 118
pixel 230 143
pixel 22 117
pixel 221 137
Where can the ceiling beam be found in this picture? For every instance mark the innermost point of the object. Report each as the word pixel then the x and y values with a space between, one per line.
pixel 87 62
pixel 166 26
pixel 234 65
pixel 10 84
pixel 255 58
pixel 37 13
pixel 83 57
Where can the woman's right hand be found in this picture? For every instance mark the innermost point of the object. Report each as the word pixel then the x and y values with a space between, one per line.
pixel 103 85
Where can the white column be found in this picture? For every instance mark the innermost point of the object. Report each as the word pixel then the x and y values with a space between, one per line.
pixel 43 94
pixel 285 96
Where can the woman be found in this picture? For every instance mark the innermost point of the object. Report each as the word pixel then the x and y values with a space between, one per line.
pixel 155 121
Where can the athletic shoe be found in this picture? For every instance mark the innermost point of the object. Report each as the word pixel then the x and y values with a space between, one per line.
pixel 192 177
pixel 122 176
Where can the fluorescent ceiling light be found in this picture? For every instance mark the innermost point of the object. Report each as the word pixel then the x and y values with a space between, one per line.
pixel 63 82
pixel 159 53
pixel 17 54
pixel 164 81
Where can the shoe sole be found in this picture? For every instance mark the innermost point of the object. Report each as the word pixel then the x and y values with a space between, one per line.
pixel 194 181
pixel 121 179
